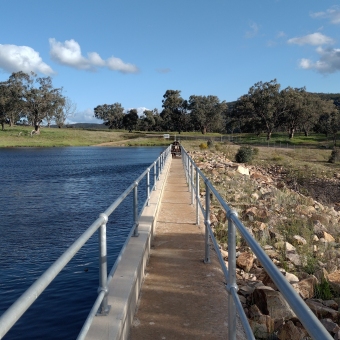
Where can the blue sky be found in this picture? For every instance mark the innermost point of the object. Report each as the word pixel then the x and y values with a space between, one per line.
pixel 131 51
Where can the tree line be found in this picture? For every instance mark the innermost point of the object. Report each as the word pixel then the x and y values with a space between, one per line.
pixel 198 113
pixel 264 109
pixel 31 100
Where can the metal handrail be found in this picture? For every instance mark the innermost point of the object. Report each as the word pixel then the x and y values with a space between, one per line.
pixel 311 323
pixel 19 307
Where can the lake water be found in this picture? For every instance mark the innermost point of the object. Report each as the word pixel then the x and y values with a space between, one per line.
pixel 49 196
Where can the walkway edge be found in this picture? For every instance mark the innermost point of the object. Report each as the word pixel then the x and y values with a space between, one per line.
pixel 127 281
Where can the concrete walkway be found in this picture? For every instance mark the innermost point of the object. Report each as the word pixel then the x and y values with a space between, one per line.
pixel 181 297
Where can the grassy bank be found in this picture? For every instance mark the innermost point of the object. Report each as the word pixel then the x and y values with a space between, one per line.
pixel 282 140
pixel 307 161
pixel 305 170
pixel 19 136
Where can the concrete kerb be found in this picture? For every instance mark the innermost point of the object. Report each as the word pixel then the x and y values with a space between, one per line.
pixel 126 283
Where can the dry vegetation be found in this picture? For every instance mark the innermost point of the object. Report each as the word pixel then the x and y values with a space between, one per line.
pixel 306 187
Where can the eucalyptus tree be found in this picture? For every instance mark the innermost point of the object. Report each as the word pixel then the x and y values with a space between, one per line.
pixel 147 121
pixel 297 109
pixel 207 112
pixel 4 100
pixel 41 100
pixel 130 120
pixel 174 111
pixel 329 120
pixel 264 104
pixel 62 113
pixel 158 120
pixel 111 114
pixel 16 85
pixel 12 98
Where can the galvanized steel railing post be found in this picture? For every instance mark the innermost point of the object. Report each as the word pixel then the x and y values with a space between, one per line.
pixel 207 223
pixel 188 171
pixel 309 320
pixel 197 197
pixel 135 209
pixel 154 176
pixel 104 308
pixel 186 168
pixel 184 161
pixel 159 167
pixel 18 308
pixel 148 187
pixel 231 276
pixel 192 183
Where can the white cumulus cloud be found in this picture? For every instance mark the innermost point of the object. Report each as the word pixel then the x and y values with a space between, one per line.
pixel 86 116
pixel 312 39
pixel 69 54
pixel 333 14
pixel 329 61
pixel 15 58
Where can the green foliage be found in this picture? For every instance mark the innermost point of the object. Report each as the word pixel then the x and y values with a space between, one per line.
pixel 218 147
pixel 206 112
pixel 130 120
pixel 174 111
pixel 221 233
pixel 210 143
pixel 244 154
pixel 112 115
pixel 311 264
pixel 335 156
pixel 323 290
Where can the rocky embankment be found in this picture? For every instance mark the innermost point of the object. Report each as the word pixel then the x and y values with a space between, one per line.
pixel 298 233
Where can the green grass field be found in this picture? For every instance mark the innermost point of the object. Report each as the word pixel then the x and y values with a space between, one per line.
pixel 281 139
pixel 19 136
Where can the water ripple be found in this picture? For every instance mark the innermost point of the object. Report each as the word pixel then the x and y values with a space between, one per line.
pixel 49 198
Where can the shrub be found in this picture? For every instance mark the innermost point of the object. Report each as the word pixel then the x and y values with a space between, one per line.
pixel 311 264
pixel 218 147
pixel 244 154
pixel 323 290
pixel 210 143
pixel 203 146
pixel 335 156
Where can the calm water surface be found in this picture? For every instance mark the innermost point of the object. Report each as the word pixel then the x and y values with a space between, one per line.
pixel 48 198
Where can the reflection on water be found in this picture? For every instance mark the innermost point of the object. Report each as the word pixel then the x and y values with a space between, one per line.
pixel 49 197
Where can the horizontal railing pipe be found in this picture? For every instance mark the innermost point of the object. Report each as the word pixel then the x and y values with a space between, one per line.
pixel 19 307
pixel 219 255
pixel 242 314
pixel 91 316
